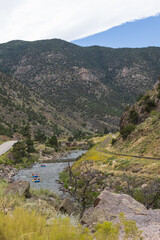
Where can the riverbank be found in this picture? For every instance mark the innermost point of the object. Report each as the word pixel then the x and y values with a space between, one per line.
pixel 7 172
pixel 49 175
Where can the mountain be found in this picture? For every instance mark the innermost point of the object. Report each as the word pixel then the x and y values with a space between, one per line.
pixel 88 87
pixel 140 126
pixel 21 106
pixel 140 33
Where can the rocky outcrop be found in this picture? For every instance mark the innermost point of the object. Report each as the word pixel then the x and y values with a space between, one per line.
pixel 67 206
pixel 150 101
pixel 109 205
pixel 19 187
pixel 7 172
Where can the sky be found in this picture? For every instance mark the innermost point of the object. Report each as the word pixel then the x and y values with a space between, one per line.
pixel 68 19
pixel 140 33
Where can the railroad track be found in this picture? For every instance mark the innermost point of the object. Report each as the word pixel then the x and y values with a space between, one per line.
pixel 102 145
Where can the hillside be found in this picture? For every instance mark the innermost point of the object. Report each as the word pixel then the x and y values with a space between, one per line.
pixel 126 162
pixel 143 120
pixel 91 85
pixel 21 106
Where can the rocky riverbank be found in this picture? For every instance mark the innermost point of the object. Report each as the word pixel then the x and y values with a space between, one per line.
pixel 7 172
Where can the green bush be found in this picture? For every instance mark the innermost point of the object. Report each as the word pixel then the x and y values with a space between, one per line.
pixel 158 95
pixel 113 141
pixel 111 231
pixel 133 116
pixel 40 136
pixel 149 105
pixel 52 142
pixel 19 151
pixel 30 146
pixel 127 131
pixel 30 226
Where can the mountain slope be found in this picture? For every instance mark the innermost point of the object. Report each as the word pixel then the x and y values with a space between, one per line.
pixel 144 116
pixel 90 85
pixel 20 106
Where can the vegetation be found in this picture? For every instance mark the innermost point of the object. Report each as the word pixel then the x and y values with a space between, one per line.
pixel 22 154
pixel 145 138
pixel 127 131
pixel 137 177
pixel 78 85
pixel 19 222
pixel 40 136
pixel 81 183
pixel 111 231
pixel 52 142
pixel 133 116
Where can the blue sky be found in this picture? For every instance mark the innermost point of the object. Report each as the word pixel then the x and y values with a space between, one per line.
pixel 140 33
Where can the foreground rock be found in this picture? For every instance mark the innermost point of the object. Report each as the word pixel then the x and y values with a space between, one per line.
pixel 67 206
pixel 19 187
pixel 108 206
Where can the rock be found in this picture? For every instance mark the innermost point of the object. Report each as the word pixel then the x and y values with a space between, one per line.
pixel 144 185
pixel 109 205
pixel 7 172
pixel 19 187
pixel 67 206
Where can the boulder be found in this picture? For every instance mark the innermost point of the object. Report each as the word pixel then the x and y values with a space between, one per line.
pixel 67 206
pixel 108 206
pixel 19 187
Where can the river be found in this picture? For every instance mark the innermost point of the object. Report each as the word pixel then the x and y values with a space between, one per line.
pixel 49 175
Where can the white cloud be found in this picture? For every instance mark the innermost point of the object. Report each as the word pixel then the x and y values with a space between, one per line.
pixel 68 19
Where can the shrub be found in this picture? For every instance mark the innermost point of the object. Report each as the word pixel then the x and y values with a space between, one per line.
pixel 145 98
pixel 30 146
pixel 111 231
pixel 140 96
pixel 158 95
pixel 30 226
pixel 133 116
pixel 106 130
pixel 70 139
pixel 19 151
pixel 149 105
pixel 52 142
pixel 40 136
pixel 126 131
pixel 113 141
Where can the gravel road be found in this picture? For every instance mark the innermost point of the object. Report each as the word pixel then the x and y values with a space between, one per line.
pixel 6 146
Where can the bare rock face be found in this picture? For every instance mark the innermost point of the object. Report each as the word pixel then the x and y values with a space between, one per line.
pixel 7 172
pixel 67 206
pixel 109 205
pixel 19 187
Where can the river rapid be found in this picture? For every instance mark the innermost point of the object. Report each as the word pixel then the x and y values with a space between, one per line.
pixel 49 174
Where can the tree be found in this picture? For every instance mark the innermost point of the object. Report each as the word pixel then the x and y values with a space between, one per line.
pixel 25 131
pixel 40 136
pixel 70 139
pixel 126 131
pixel 106 130
pixel 30 146
pixel 19 151
pixel 133 116
pixel 84 184
pixel 52 142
